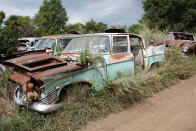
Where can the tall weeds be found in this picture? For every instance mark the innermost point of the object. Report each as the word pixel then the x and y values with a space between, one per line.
pixel 6 96
pixel 152 36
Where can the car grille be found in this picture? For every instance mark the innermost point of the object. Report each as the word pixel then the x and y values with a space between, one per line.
pixel 50 98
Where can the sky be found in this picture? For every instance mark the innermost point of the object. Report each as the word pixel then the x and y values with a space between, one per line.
pixel 111 12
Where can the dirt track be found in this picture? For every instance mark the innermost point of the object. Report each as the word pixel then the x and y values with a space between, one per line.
pixel 173 109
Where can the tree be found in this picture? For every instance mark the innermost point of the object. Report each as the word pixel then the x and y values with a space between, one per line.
pixel 2 17
pixel 9 35
pixel 78 27
pixel 24 24
pixel 101 27
pixel 178 15
pixel 94 27
pixel 124 27
pixel 9 38
pixel 134 28
pixel 51 17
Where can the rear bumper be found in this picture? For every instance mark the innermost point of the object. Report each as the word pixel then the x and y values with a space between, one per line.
pixel 20 98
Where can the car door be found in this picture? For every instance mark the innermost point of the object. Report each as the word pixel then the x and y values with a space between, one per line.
pixel 137 48
pixel 121 59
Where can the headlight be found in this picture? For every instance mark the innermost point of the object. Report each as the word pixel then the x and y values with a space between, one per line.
pixel 2 69
pixel 185 49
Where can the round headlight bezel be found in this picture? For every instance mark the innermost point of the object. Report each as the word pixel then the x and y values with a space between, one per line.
pixel 185 49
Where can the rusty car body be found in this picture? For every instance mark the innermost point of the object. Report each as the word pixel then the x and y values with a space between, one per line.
pixel 41 77
pixel 184 41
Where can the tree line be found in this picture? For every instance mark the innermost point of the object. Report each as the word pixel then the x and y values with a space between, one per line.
pixel 52 18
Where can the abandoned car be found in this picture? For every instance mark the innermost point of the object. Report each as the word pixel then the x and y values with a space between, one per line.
pixel 54 43
pixel 42 77
pixel 185 41
pixel 25 44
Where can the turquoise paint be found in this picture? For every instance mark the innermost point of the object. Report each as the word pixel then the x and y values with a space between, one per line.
pixel 89 75
pixel 92 76
pixel 155 59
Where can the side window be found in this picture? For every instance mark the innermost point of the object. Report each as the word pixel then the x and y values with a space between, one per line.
pixel 120 44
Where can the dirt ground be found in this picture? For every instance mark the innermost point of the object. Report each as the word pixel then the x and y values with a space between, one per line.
pixel 173 109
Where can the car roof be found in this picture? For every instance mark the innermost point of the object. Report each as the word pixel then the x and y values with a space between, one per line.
pixel 107 34
pixel 58 36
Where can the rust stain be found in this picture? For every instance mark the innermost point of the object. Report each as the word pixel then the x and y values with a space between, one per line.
pixel 61 35
pixel 58 70
pixel 182 43
pixel 176 43
pixel 69 53
pixel 19 77
pixel 119 56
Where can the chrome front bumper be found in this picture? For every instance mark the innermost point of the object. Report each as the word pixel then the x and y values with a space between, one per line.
pixel 44 108
pixel 20 98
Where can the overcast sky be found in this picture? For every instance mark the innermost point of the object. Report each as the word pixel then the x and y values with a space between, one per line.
pixel 112 12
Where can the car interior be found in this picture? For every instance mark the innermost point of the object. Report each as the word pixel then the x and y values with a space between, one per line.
pixel 136 49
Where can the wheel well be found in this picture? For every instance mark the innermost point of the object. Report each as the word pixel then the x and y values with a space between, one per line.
pixel 78 83
pixel 155 64
pixel 63 90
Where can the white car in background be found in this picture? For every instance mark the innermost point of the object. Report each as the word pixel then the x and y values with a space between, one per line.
pixel 25 44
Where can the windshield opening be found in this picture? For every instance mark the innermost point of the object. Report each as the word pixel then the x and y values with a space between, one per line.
pixel 95 44
pixel 44 43
pixel 183 36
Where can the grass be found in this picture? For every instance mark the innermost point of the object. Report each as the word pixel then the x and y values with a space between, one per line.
pixel 123 92
pixel 6 92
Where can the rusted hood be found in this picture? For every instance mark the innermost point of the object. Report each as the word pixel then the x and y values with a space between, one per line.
pixel 7 57
pixel 179 43
pixel 36 62
pixel 38 66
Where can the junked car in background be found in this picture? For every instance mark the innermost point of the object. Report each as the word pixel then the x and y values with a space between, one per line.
pixel 42 78
pixel 25 44
pixel 185 41
pixel 53 43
